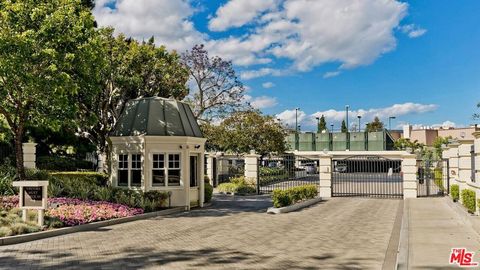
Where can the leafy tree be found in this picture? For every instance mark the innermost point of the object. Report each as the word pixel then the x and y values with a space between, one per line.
pixel 404 144
pixel 344 128
pixel 322 125
pixel 218 91
pixel 45 54
pixel 438 144
pixel 375 126
pixel 246 131
pixel 129 70
pixel 477 115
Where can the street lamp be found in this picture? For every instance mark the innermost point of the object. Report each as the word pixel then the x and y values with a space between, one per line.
pixel 318 124
pixel 359 126
pixel 346 115
pixel 331 128
pixel 296 128
pixel 390 122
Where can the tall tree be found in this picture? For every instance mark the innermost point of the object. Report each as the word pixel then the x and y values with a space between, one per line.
pixel 130 69
pixel 44 54
pixel 344 128
pixel 218 92
pixel 477 115
pixel 375 126
pixel 245 131
pixel 322 125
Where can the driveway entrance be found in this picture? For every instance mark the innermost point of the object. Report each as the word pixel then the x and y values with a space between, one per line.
pixel 235 233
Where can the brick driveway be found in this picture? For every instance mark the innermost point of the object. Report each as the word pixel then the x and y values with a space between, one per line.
pixel 340 233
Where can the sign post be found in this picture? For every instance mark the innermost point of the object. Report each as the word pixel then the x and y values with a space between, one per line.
pixel 33 195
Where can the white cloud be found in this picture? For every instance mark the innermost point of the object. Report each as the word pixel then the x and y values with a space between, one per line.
pixel 268 85
pixel 412 30
pixel 307 33
pixel 446 125
pixel 236 13
pixel 261 102
pixel 331 74
pixel 396 110
pixel 288 117
pixel 167 20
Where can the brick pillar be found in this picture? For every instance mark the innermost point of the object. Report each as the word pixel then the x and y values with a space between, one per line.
pixel 409 170
pixel 252 168
pixel 325 175
pixel 29 155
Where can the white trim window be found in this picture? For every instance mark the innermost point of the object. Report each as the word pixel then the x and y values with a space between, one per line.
pixel 174 170
pixel 158 170
pixel 136 171
pixel 122 173
pixel 166 169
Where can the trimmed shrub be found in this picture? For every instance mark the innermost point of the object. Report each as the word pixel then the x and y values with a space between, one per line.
pixel 468 200
pixel 282 198
pixel 54 163
pixel 227 187
pixel 455 192
pixel 208 191
pixel 99 179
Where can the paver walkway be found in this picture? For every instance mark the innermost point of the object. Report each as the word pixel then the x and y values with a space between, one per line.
pixel 434 229
pixel 340 233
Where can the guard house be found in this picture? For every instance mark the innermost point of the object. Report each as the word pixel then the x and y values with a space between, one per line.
pixel 157 145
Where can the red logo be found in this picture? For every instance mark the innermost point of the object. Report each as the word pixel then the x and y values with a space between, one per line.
pixel 462 257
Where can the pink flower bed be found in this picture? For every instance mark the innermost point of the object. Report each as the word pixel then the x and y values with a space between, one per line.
pixel 76 212
pixel 8 202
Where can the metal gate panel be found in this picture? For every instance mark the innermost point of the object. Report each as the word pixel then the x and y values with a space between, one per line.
pixel 367 176
pixel 432 178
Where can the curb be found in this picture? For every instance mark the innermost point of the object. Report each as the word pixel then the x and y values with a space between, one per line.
pixel 17 239
pixel 403 248
pixel 291 208
pixel 467 218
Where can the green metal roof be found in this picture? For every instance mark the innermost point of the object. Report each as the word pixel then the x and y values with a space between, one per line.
pixel 157 117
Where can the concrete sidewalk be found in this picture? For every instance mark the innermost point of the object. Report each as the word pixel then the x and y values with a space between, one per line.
pixel 434 228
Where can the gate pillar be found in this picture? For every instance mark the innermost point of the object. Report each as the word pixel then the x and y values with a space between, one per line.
pixel 325 175
pixel 409 170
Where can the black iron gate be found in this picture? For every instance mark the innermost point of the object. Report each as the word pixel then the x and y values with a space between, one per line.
pixel 433 178
pixel 367 176
pixel 286 171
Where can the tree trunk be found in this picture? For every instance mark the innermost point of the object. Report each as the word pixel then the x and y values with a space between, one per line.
pixel 19 154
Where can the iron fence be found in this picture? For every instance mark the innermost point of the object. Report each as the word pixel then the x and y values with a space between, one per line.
pixel 286 171
pixel 367 176
pixel 230 168
pixel 432 178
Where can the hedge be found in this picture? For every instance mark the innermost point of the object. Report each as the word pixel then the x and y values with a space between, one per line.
pixel 237 185
pixel 455 192
pixel 282 198
pixel 52 163
pixel 468 200
pixel 100 179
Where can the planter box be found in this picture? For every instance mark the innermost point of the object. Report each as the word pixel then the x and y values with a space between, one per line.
pixel 293 207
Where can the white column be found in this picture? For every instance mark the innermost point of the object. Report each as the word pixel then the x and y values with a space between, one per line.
pixel 29 155
pixel 464 164
pixel 201 162
pixel 325 175
pixel 477 157
pixel 209 171
pixel 185 167
pixel 453 161
pixel 251 167
pixel 409 170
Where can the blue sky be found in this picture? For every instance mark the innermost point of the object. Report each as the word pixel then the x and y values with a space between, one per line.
pixel 416 60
